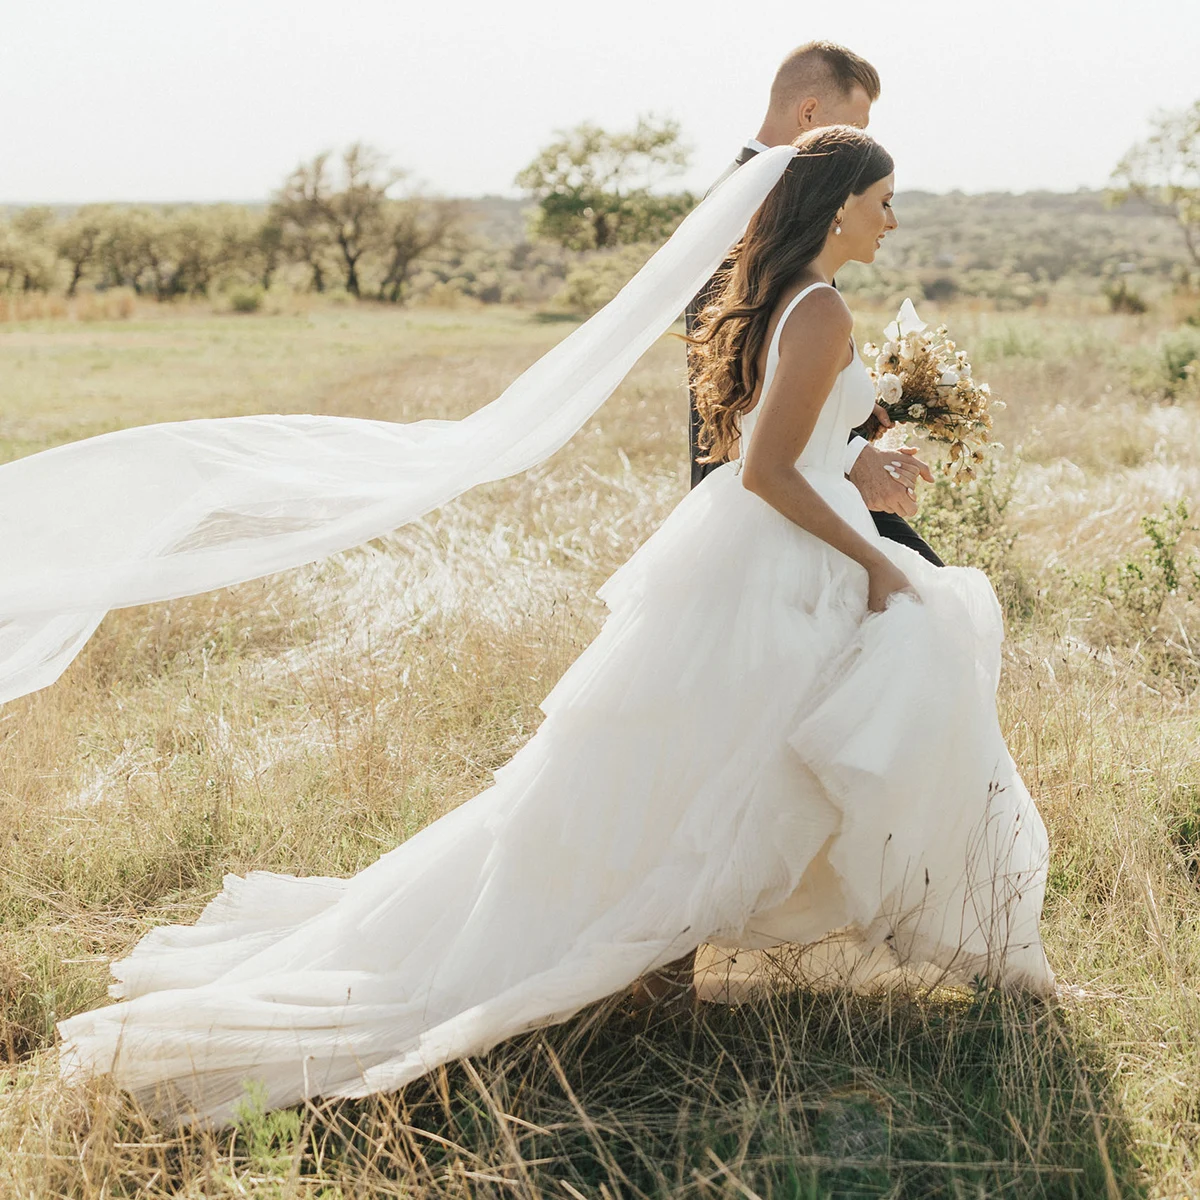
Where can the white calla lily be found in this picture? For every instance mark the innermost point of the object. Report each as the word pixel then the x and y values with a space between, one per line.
pixel 906 321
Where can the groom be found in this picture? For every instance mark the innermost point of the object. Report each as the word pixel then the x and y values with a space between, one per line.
pixel 823 84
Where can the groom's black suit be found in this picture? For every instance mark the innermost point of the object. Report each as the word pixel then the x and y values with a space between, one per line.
pixel 889 524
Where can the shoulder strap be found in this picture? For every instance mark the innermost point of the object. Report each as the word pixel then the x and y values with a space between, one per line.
pixel 773 349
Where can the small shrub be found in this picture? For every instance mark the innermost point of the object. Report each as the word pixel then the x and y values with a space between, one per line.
pixel 246 300
pixel 1142 584
pixel 596 279
pixel 270 1139
pixel 442 295
pixel 941 288
pixel 1147 601
pixel 1183 827
pixel 1172 369
pixel 1123 299
pixel 1179 352
pixel 966 523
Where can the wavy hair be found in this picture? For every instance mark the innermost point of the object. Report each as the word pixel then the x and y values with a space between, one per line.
pixel 785 235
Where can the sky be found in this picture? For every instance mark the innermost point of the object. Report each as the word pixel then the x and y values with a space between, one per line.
pixel 202 100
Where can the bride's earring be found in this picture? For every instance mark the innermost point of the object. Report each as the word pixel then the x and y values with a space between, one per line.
pixel 837 226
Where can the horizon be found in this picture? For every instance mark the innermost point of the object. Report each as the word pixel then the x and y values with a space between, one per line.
pixel 1133 204
pixel 200 102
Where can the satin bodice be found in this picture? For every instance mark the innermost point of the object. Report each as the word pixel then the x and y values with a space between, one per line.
pixel 848 405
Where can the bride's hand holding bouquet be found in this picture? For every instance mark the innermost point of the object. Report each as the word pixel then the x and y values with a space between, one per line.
pixel 924 379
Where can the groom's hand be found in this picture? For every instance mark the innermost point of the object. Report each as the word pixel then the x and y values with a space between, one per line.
pixel 887 479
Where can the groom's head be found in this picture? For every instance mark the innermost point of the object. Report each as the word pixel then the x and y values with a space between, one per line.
pixel 819 84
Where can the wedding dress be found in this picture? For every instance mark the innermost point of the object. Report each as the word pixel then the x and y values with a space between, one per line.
pixel 744 755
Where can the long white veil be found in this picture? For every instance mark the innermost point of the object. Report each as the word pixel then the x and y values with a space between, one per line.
pixel 161 511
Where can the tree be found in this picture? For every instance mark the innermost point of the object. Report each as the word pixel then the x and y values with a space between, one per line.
pixel 347 218
pixel 1164 170
pixel 413 228
pixel 299 209
pixel 266 250
pixel 596 189
pixel 126 256
pixel 355 212
pixel 78 241
pixel 193 248
pixel 26 257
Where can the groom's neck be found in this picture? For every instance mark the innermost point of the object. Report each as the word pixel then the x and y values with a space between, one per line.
pixel 775 132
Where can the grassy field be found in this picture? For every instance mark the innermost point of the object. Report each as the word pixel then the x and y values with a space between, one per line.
pixel 307 722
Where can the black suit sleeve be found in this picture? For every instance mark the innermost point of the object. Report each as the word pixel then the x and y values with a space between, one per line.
pixel 711 290
pixel 707 295
pixel 897 529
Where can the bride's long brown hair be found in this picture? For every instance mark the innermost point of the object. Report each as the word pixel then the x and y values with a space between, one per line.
pixel 782 239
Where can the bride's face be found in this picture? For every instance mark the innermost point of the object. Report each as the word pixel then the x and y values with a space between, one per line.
pixel 867 219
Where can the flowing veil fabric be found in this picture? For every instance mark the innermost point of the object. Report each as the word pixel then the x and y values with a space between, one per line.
pixel 161 511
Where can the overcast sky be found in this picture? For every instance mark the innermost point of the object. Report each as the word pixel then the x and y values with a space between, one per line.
pixel 163 100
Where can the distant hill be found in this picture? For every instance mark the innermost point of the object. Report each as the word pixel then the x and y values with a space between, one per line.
pixel 500 219
pixel 1019 248
pixel 1043 234
pixel 1042 237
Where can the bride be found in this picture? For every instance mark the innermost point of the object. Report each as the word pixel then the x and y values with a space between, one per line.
pixel 785 732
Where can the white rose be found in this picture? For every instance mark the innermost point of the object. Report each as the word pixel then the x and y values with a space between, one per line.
pixel 888 351
pixel 916 411
pixel 890 389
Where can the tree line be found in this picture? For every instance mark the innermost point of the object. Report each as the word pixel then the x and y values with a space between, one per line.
pixel 336 220
pixel 346 222
pixel 598 201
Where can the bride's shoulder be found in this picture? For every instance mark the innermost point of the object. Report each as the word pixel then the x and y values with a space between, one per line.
pixel 821 315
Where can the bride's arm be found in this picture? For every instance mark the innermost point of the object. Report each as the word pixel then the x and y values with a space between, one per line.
pixel 813 349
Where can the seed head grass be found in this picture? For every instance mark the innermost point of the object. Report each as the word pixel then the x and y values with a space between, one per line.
pixel 311 721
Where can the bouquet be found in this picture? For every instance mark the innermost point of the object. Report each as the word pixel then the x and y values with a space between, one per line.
pixel 923 379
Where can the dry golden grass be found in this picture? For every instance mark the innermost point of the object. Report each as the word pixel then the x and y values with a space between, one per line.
pixel 310 721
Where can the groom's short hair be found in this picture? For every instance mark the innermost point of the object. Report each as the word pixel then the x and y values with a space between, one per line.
pixel 816 67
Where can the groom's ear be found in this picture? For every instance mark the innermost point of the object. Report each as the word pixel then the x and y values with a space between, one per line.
pixel 806 113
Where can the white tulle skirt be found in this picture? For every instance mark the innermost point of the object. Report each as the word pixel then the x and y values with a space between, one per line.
pixel 743 756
